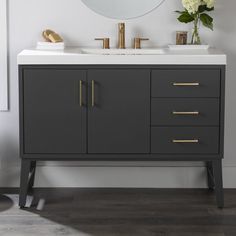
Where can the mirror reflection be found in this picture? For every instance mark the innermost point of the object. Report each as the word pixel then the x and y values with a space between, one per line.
pixel 122 9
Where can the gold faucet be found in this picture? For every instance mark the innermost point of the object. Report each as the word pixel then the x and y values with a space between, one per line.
pixel 137 42
pixel 106 42
pixel 121 35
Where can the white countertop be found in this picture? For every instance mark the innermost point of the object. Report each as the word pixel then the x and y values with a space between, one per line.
pixel 73 56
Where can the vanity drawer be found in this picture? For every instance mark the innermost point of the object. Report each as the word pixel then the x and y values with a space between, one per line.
pixel 185 140
pixel 185 112
pixel 186 83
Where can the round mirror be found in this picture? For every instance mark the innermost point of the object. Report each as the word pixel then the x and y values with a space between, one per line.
pixel 122 9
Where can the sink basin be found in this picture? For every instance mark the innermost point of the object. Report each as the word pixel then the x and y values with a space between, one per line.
pixel 156 51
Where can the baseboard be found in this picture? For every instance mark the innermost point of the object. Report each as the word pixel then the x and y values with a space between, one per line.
pixel 123 177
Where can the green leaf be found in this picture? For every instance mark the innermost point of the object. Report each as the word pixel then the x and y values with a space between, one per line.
pixel 185 18
pixel 206 20
pixel 202 8
pixel 210 9
pixel 180 12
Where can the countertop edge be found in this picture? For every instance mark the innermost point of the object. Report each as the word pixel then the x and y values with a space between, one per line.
pixel 33 57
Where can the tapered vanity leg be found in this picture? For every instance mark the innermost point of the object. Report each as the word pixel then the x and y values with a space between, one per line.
pixel 32 174
pixel 210 175
pixel 25 171
pixel 217 169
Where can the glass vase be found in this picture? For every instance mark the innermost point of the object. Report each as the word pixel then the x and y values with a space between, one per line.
pixel 196 40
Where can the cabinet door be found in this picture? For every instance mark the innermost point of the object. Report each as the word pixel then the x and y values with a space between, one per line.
pixel 54 121
pixel 119 121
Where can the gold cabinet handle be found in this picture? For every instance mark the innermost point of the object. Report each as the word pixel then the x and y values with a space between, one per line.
pixel 93 93
pixel 192 113
pixel 185 141
pixel 186 84
pixel 81 93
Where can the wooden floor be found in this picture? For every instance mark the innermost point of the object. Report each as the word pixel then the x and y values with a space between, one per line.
pixel 108 212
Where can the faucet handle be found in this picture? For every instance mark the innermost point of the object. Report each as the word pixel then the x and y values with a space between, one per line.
pixel 137 42
pixel 106 42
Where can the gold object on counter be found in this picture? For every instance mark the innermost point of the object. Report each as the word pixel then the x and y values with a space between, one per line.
pixel 181 37
pixel 46 34
pixel 106 42
pixel 55 38
pixel 137 42
pixel 121 35
pixel 51 36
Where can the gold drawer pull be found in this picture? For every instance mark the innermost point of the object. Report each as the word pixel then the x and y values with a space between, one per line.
pixel 192 113
pixel 186 84
pixel 93 93
pixel 80 93
pixel 185 141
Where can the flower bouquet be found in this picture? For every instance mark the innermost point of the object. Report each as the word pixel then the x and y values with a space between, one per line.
pixel 196 11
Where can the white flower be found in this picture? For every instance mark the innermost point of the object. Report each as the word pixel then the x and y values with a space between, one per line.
pixel 209 3
pixel 192 5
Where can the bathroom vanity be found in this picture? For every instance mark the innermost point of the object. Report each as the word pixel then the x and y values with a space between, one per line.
pixel 165 106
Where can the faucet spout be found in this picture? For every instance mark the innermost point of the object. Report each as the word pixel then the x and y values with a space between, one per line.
pixel 121 35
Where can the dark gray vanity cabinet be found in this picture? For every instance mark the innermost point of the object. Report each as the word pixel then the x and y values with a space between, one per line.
pixel 59 117
pixel 122 113
pixel 119 116
pixel 54 121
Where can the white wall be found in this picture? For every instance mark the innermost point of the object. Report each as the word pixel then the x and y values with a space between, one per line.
pixel 79 26
pixel 3 57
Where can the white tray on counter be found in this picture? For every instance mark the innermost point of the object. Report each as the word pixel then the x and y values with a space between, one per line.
pixel 50 46
pixel 188 47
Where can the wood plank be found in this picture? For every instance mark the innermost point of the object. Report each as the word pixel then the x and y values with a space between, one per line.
pixel 115 212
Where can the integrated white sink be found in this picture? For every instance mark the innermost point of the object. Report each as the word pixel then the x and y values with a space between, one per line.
pixel 151 51
pixel 93 56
